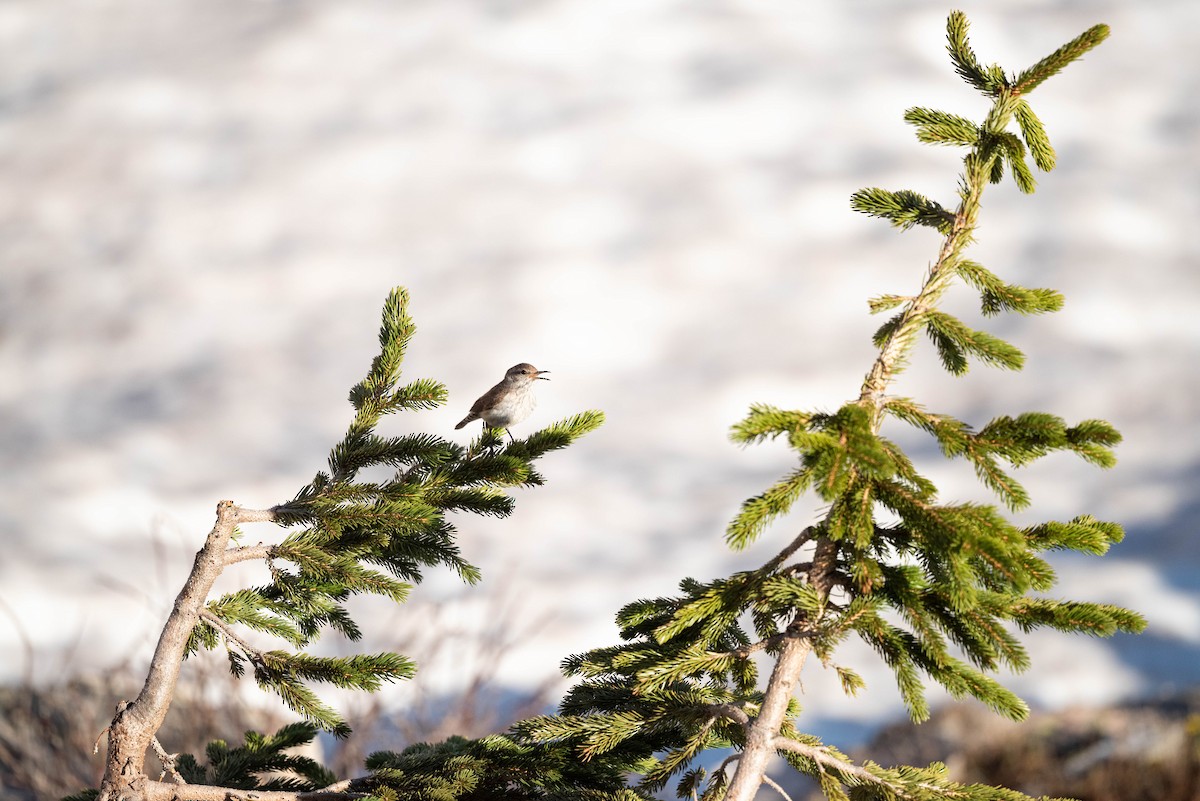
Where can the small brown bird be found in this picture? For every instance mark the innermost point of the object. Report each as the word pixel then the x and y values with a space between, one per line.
pixel 510 401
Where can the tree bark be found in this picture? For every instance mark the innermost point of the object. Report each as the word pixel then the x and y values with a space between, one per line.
pixel 760 735
pixel 136 723
pixel 763 728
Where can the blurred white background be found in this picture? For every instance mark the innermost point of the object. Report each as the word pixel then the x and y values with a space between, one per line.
pixel 205 202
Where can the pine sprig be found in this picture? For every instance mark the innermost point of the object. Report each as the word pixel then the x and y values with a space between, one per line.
pixel 767 422
pixel 498 766
pixel 1029 79
pixel 365 537
pixel 244 767
pixel 941 128
pixel 963 57
pixel 903 208
pixel 556 436
pixel 940 591
pixel 955 342
pixel 1035 137
pixel 998 296
pixel 758 512
pixel 1084 533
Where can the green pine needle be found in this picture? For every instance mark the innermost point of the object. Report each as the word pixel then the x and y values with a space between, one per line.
pixel 758 512
pixel 942 128
pixel 850 680
pixel 998 296
pixel 767 422
pixel 557 435
pixel 1031 78
pixel 1084 533
pixel 963 57
pixel 955 341
pixel 903 208
pixel 886 303
pixel 1035 137
pixel 424 393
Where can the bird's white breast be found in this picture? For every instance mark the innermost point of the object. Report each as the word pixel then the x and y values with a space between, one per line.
pixel 514 407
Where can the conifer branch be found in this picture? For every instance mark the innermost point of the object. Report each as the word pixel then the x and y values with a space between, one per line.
pixel 803 538
pixel 774 785
pixel 1054 63
pixel 945 576
pixel 248 553
pixel 255 515
pixel 231 636
pixel 351 537
pixel 159 791
pixel 135 724
pixel 167 761
pixel 963 57
pixel 846 772
pixel 731 712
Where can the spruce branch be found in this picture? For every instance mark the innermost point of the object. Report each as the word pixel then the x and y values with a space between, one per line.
pixel 231 637
pixel 136 723
pixel 248 553
pixel 963 57
pixel 1029 79
pixel 937 592
pixel 348 537
pixel 1035 136
pixel 903 208
pixel 940 128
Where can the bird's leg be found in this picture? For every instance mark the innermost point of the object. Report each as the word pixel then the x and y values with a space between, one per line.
pixel 491 437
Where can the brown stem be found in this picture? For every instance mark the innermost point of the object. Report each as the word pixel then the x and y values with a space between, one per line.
pixel 762 730
pixel 245 553
pixel 760 733
pixel 135 724
pixel 165 792
pixel 162 791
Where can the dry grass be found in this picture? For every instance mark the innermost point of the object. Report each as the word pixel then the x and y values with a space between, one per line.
pixel 48 729
pixel 1148 751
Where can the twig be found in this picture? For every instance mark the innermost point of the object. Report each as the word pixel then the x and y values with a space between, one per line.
pixel 255 515
pixel 26 643
pixel 167 760
pixel 822 757
pixel 805 536
pixel 767 780
pixel 230 636
pixel 245 553
pixel 730 712
pixel 161 791
pixel 729 760
pixel 121 705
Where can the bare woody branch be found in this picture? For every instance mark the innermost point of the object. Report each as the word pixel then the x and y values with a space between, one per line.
pixel 133 728
pixel 161 791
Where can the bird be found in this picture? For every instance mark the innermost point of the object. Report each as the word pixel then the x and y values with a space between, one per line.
pixel 510 401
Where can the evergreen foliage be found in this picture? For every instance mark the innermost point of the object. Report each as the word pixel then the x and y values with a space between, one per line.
pixel 352 536
pixel 261 763
pixel 937 589
pixel 495 767
pixel 349 535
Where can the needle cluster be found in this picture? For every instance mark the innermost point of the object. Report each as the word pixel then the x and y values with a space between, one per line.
pixel 939 590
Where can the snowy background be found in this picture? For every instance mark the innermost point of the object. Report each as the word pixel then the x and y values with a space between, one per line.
pixel 203 204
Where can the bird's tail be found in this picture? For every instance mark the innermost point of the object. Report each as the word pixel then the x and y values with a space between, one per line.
pixel 465 420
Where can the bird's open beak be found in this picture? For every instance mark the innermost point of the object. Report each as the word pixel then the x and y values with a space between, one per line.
pixel 542 375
